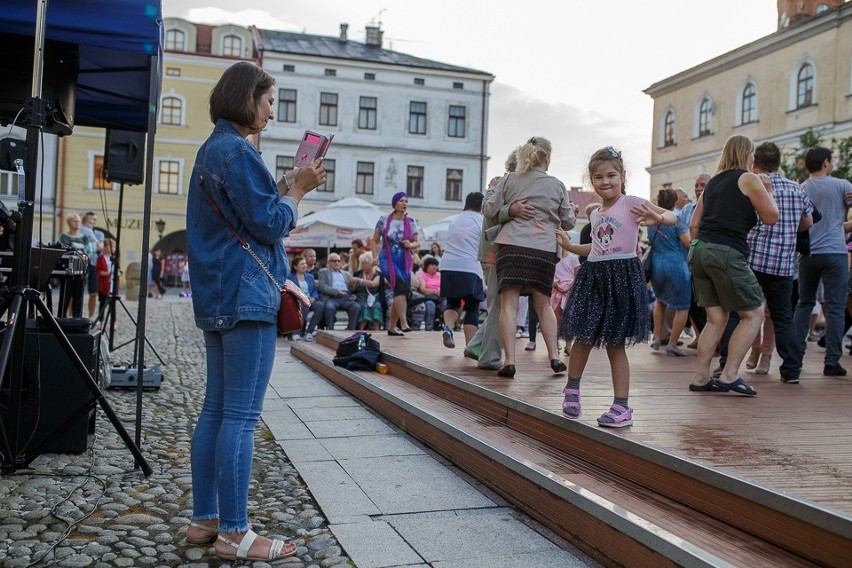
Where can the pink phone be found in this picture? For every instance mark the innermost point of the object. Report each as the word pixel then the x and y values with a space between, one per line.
pixel 313 146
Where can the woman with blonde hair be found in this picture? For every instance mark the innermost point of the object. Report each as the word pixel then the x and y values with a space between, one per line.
pixel 722 280
pixel 527 249
pixel 71 296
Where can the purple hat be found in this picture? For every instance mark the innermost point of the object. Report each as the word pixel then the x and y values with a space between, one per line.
pixel 397 197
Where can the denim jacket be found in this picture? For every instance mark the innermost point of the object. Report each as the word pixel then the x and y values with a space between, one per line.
pixel 228 285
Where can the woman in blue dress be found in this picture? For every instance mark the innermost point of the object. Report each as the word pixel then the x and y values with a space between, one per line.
pixel 670 275
pixel 395 241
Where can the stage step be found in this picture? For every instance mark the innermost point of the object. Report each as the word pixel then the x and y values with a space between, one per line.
pixel 622 502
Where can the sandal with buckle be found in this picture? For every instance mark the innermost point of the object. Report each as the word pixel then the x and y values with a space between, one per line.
pixel 212 533
pixel 616 417
pixel 278 549
pixel 571 408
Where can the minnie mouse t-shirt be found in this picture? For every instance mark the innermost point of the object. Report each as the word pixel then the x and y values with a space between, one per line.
pixel 615 232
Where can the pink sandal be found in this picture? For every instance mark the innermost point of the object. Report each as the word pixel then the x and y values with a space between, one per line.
pixel 571 403
pixel 616 417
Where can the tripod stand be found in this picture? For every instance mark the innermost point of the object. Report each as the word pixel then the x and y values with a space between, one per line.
pixel 114 297
pixel 23 297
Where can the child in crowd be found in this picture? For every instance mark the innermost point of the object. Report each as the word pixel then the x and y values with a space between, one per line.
pixel 103 268
pixel 607 306
pixel 563 279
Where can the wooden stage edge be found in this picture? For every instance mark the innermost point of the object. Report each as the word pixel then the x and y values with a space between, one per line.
pixel 699 471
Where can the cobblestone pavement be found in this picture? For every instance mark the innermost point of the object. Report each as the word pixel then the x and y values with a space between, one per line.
pixel 94 509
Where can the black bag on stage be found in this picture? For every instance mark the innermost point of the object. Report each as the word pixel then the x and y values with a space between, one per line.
pixel 358 352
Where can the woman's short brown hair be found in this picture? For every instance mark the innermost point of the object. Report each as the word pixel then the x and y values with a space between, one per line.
pixel 235 96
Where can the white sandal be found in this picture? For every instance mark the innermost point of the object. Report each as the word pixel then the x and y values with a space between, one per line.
pixel 204 540
pixel 276 549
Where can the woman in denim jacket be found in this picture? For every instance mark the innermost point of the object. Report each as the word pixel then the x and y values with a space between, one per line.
pixel 236 303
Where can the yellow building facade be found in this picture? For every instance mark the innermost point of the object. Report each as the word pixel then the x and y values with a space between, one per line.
pixel 774 89
pixel 193 61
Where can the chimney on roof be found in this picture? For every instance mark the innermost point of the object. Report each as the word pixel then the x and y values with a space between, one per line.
pixel 344 29
pixel 374 36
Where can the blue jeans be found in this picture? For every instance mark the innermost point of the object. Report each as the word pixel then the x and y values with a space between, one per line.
pixel 833 270
pixel 239 364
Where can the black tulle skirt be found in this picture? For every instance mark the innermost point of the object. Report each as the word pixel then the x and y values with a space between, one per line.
pixel 607 306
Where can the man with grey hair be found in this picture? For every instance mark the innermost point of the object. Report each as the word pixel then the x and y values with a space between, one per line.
pixel 335 292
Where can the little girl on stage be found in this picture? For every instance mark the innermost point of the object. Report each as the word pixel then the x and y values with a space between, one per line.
pixel 607 305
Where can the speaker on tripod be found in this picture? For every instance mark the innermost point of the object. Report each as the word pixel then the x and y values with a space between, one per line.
pixel 124 157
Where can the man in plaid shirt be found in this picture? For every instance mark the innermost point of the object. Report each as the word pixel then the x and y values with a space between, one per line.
pixel 773 258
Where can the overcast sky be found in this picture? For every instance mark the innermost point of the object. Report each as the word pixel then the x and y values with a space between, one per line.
pixel 571 71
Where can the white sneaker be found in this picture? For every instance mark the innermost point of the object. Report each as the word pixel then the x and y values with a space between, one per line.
pixel 308 337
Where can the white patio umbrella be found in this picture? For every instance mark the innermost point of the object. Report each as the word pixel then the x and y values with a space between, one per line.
pixel 336 226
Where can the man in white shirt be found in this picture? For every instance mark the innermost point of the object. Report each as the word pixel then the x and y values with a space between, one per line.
pixel 334 287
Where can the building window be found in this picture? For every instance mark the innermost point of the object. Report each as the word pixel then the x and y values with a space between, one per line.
pixel 328 186
pixel 286 105
pixel 705 117
pixel 749 105
pixel 364 179
pixel 98 179
pixel 367 113
pixel 288 68
pixel 456 122
pixel 669 129
pixel 328 109
pixel 168 177
pixel 369 76
pixel 458 85
pixel 419 81
pixel 171 111
pixel 175 40
pixel 454 185
pixel 414 181
pixel 232 46
pixel 173 71
pixel 417 118
pixel 822 7
pixel 331 72
pixel 805 86
pixel 8 183
pixel 283 164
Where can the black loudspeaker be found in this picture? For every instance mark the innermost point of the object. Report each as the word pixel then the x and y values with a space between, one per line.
pixel 61 65
pixel 52 392
pixel 124 156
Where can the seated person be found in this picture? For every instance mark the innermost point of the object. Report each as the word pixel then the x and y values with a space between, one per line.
pixel 430 287
pixel 335 293
pixel 300 276
pixel 367 287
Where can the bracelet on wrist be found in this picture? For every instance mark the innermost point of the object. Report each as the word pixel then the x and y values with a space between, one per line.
pixel 286 183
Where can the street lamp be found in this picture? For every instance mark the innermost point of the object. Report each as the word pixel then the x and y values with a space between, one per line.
pixel 161 226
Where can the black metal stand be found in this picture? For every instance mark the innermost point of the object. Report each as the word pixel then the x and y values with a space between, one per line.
pixel 115 297
pixel 23 297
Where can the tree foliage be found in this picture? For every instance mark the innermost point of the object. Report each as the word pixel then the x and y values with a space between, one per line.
pixel 794 160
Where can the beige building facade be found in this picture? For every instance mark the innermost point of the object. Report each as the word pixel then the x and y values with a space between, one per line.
pixel 773 89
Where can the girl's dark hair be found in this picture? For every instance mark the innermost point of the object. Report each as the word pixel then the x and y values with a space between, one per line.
pixel 609 154
pixel 295 262
pixel 429 261
pixel 235 96
pixel 666 198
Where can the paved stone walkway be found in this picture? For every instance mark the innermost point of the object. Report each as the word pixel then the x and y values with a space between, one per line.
pixel 93 509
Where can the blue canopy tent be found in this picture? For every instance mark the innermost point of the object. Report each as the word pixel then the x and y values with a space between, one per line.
pixel 118 87
pixel 119 42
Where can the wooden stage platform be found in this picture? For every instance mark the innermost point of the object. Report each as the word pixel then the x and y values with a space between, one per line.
pixel 789 447
pixel 795 438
